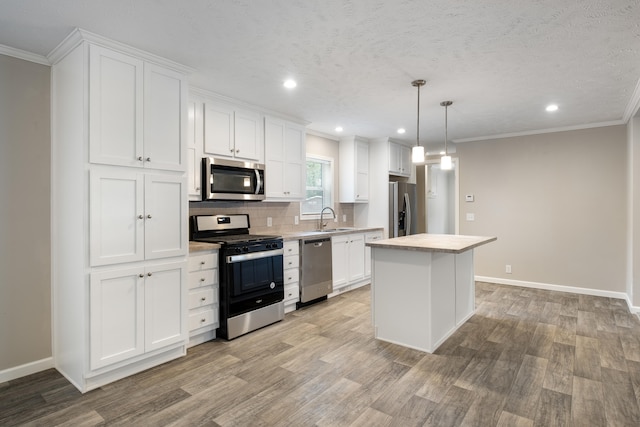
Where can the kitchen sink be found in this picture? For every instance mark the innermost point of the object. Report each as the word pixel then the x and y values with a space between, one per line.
pixel 333 230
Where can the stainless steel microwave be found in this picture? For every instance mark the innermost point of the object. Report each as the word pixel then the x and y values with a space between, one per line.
pixel 232 180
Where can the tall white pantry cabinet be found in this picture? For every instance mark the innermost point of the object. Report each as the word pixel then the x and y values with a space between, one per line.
pixel 119 210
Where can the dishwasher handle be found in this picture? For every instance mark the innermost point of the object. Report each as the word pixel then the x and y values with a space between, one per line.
pixel 317 242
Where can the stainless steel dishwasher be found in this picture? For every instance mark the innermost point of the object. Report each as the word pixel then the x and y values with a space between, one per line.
pixel 316 280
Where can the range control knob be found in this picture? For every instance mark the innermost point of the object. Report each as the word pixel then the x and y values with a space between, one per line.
pixel 245 249
pixel 238 250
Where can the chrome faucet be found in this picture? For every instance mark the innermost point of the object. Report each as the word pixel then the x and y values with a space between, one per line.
pixel 323 224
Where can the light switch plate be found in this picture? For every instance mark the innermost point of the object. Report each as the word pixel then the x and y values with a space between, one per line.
pixel 269 221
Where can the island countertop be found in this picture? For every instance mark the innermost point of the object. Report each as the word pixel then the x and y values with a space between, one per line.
pixel 449 243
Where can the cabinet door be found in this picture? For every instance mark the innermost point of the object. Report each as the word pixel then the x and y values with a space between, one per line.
pixel 116 221
pixel 295 155
pixel 405 160
pixel 115 108
pixel 394 158
pixel 165 305
pixel 165 213
pixel 274 150
pixel 340 261
pixel 362 171
pixel 218 129
pixel 356 257
pixel 195 143
pixel 248 137
pixel 116 316
pixel 164 118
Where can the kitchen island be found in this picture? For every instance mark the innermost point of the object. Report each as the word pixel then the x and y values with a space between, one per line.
pixel 422 287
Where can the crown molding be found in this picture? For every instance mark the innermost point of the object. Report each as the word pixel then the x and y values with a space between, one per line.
pixel 79 35
pixel 541 131
pixel 633 105
pixel 23 54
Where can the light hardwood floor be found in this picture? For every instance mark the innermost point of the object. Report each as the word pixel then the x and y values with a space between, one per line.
pixel 526 358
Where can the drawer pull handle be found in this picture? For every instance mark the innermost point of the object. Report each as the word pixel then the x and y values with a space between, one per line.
pixel 203 299
pixel 202 263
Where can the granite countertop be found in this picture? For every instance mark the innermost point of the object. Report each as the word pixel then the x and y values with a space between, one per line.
pixel 449 243
pixel 202 246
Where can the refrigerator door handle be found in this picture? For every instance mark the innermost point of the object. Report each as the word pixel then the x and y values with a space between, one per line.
pixel 407 218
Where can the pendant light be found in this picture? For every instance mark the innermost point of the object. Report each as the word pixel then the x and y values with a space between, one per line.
pixel 445 161
pixel 417 152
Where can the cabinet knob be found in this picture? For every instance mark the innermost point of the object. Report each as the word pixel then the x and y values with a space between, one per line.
pixel 139 158
pixel 149 274
pixel 237 150
pixel 148 159
pixel 140 275
pixel 202 279
pixel 140 216
pixel 231 150
pixel 202 262
pixel 149 216
pixel 203 320
pixel 203 299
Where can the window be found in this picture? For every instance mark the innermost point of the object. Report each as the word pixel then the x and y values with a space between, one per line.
pixel 319 187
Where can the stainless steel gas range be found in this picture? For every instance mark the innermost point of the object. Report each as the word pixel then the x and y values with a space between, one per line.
pixel 251 273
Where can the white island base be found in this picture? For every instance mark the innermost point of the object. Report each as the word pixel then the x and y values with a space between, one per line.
pixel 422 292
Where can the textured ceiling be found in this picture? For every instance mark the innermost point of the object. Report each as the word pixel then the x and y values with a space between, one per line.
pixel 500 62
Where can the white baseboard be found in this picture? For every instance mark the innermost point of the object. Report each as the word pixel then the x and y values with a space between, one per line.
pixel 561 288
pixel 26 369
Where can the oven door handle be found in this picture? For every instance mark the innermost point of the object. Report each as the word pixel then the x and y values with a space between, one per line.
pixel 230 259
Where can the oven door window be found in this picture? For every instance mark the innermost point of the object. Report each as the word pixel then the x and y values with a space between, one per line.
pixel 256 276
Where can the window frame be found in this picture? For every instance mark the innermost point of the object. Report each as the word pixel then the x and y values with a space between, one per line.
pixel 330 161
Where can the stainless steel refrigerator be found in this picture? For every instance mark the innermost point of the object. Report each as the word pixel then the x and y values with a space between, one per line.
pixel 403 212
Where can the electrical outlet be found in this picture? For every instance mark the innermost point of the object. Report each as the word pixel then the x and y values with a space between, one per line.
pixel 269 221
pixel 471 217
pixel 296 220
pixel 507 269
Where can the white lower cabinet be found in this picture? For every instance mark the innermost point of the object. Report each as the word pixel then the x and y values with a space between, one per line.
pixel 203 298
pixel 291 270
pixel 136 310
pixel 347 257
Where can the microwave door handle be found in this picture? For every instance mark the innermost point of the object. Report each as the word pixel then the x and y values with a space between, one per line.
pixel 258 181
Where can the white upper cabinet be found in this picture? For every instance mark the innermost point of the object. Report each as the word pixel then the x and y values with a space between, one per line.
pixel 354 170
pixel 194 149
pixel 232 132
pixel 165 93
pixel 136 112
pixel 285 159
pixel 399 159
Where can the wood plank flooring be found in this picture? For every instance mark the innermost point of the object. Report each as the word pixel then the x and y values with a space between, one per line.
pixel 526 358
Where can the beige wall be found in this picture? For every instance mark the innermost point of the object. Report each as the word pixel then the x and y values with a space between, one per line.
pixel 25 279
pixel 633 244
pixel 557 203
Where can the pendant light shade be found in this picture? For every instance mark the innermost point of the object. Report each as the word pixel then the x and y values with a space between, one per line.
pixel 445 161
pixel 417 152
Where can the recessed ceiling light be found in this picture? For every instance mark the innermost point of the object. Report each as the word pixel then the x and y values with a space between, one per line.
pixel 551 108
pixel 290 84
pixel 401 131
pixel 339 129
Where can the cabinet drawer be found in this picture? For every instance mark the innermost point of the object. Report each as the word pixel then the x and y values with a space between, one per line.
pixel 291 276
pixel 291 261
pixel 203 278
pixel 202 297
pixel 203 262
pixel 291 293
pixel 292 248
pixel 203 318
